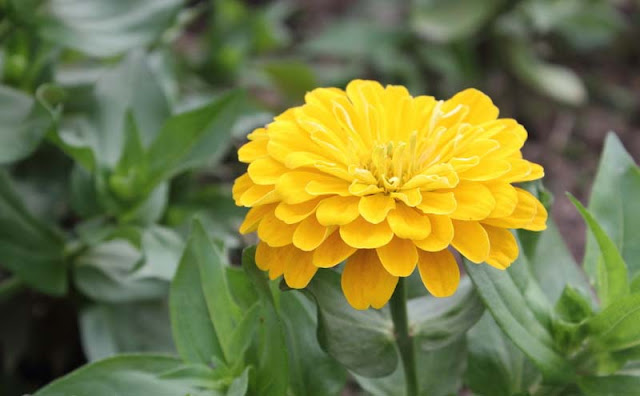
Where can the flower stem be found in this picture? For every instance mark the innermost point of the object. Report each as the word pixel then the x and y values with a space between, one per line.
pixel 398 305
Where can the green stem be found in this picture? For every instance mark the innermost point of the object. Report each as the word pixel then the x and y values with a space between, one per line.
pixel 398 305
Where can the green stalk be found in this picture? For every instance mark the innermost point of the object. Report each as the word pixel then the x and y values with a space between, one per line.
pixel 398 305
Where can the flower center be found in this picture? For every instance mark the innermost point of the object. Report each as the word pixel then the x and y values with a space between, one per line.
pixel 393 163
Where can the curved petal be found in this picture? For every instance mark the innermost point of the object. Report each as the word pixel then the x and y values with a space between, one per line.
pixel 471 240
pixel 337 210
pixel 440 236
pixel 332 251
pixel 298 268
pixel 374 208
pixel 275 232
pixel 503 247
pixel 408 223
pixel 361 234
pixel 365 282
pixel 475 201
pixel 253 218
pixel 438 202
pixel 295 213
pixel 399 257
pixel 270 259
pixel 265 171
pixel 309 234
pixel 479 106
pixel 439 272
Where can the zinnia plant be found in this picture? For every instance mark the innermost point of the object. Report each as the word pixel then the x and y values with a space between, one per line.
pixel 386 181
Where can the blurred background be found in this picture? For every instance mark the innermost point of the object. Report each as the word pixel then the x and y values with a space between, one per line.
pixel 568 70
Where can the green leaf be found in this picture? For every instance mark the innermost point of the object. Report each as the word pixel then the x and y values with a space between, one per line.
pixel 496 366
pixel 557 82
pixel 614 385
pixel 31 250
pixel 130 170
pixel 24 120
pixel 240 385
pixel 193 331
pixel 110 329
pixel 362 341
pixel 615 206
pixel 613 280
pixel 513 298
pixel 97 139
pixel 104 27
pixel 445 21
pixel 312 371
pixel 243 334
pixel 192 139
pixel 223 311
pixel 242 290
pixel 616 327
pixel 124 375
pixel 272 365
pixel 553 265
pixel 110 272
pixel 436 322
pixel 571 310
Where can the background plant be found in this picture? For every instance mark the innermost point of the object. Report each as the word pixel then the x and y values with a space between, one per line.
pixel 117 124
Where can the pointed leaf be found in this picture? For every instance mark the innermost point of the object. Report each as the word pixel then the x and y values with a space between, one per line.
pixel 613 281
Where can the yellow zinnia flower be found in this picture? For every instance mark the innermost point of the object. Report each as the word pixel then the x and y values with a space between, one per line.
pixel 386 181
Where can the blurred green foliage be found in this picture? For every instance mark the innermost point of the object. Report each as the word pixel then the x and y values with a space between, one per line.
pixel 117 123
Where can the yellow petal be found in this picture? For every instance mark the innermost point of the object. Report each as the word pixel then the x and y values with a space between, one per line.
pixel 337 210
pixel 258 195
pixel 480 107
pixel 438 202
pixel 240 186
pixel 298 268
pixel 434 177
pixel 365 282
pixel 251 151
pixel 539 221
pixel 332 251
pixel 309 234
pixel 328 186
pixel 503 247
pixel 506 198
pixel 291 186
pixel 439 272
pixel 411 197
pixel 523 214
pixel 302 159
pixel 487 169
pixel 408 223
pixel 475 201
pixel 295 213
pixel 270 259
pixel 361 234
pixel 441 234
pixel 522 170
pixel 399 257
pixel 362 189
pixel 471 240
pixel 253 217
pixel 275 232
pixel 266 170
pixel 374 208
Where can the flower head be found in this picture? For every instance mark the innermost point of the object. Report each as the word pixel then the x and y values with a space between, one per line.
pixel 387 182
